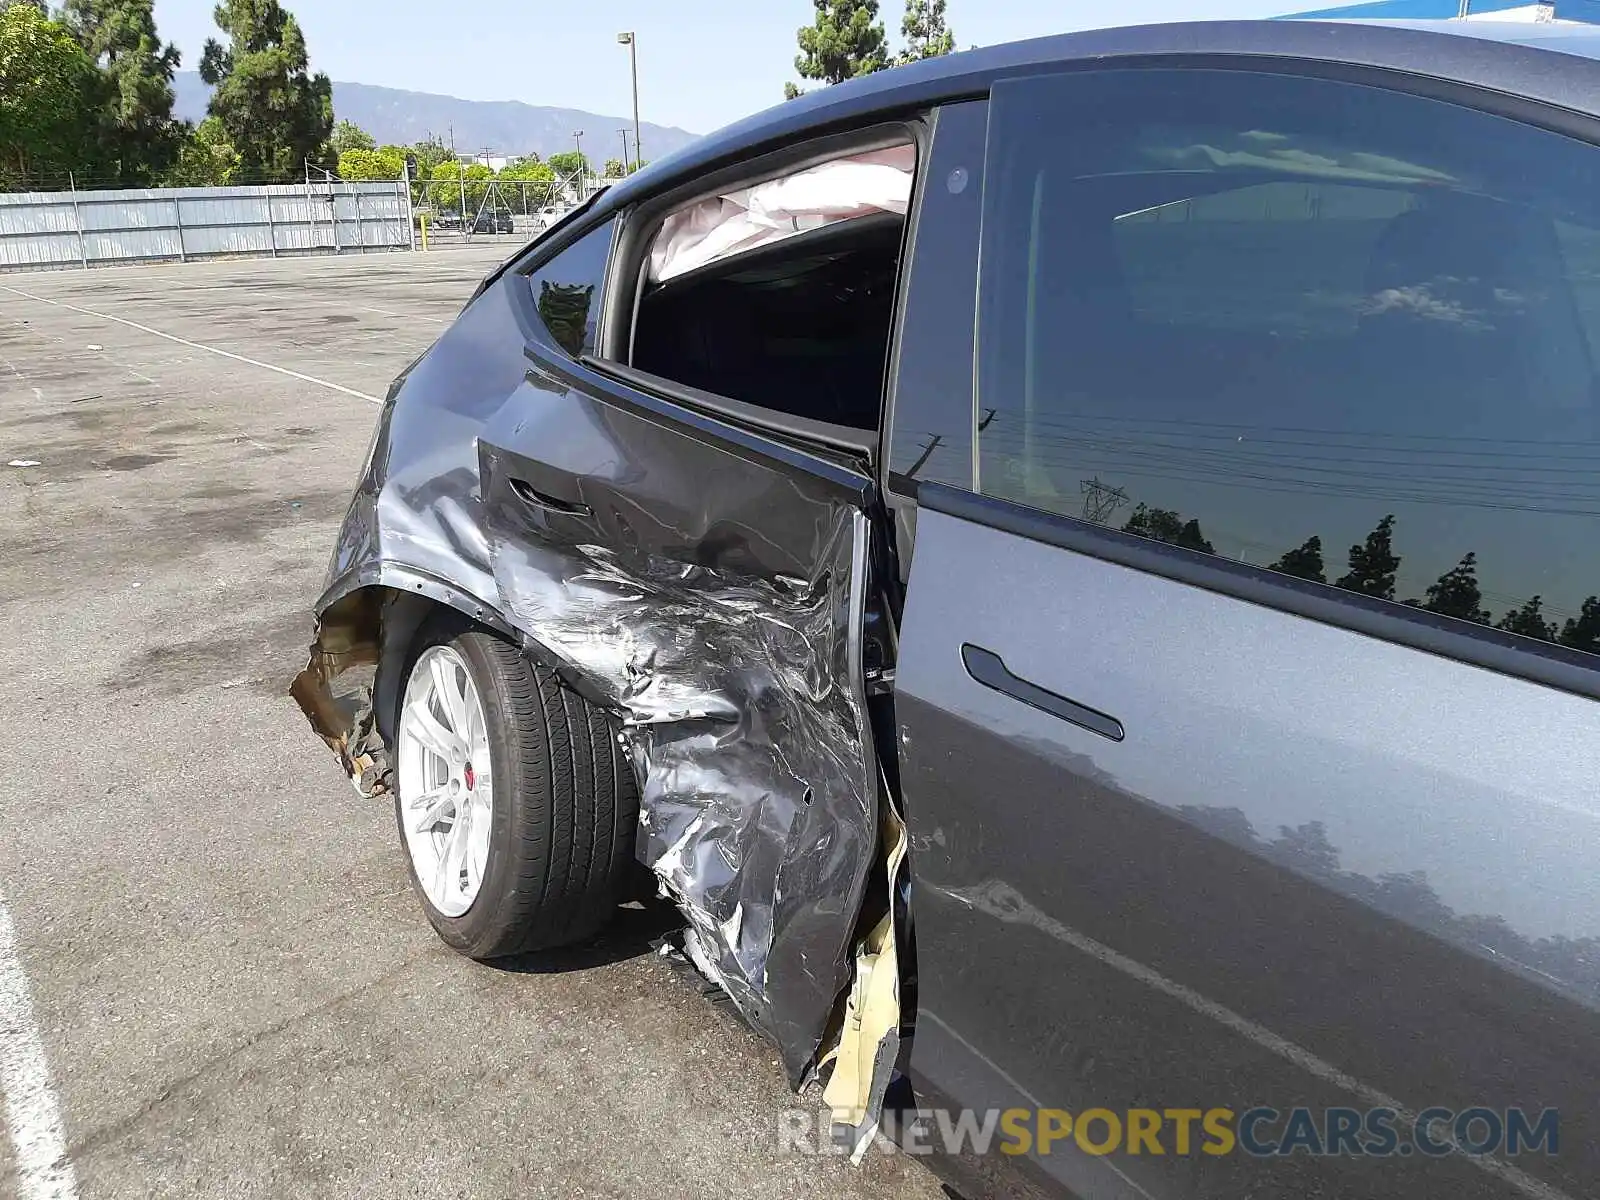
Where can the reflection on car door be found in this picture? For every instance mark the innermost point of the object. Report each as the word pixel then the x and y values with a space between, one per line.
pixel 1206 813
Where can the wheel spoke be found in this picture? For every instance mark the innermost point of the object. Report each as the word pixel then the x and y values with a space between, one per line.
pixel 427 730
pixel 451 700
pixel 438 808
pixel 444 885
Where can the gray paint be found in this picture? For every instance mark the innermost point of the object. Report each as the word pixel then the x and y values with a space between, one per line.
pixel 1134 924
pixel 711 599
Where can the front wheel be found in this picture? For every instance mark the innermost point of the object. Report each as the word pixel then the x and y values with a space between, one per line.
pixel 515 803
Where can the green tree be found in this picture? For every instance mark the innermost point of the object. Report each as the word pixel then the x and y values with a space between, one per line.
pixel 926 33
pixel 1373 564
pixel 206 158
pixel 1456 593
pixel 139 137
pixel 845 40
pixel 49 100
pixel 347 135
pixel 277 114
pixel 428 154
pixel 1164 525
pixel 532 184
pixel 446 190
pixel 568 162
pixel 387 163
pixel 1583 631
pixel 1529 621
pixel 1305 561
pixel 615 168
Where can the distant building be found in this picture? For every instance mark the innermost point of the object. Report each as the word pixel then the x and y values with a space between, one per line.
pixel 1561 12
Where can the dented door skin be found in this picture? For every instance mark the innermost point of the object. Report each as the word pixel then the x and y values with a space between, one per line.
pixel 702 582
pixel 710 590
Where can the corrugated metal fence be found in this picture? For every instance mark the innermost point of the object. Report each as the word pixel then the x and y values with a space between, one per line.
pixel 42 230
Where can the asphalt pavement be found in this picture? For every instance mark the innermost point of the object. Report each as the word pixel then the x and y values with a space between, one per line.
pixel 217 981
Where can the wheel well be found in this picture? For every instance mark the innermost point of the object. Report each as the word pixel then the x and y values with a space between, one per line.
pixel 369 628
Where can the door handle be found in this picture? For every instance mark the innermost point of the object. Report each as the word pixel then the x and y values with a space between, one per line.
pixel 989 669
pixel 529 494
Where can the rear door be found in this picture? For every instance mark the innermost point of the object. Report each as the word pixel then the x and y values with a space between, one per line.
pixel 706 580
pixel 1248 674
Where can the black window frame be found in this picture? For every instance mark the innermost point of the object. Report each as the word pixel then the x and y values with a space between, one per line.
pixel 637 230
pixel 1509 654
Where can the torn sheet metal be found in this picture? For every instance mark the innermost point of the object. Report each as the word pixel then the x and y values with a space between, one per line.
pixel 339 707
pixel 709 593
pixel 742 709
pixel 868 1044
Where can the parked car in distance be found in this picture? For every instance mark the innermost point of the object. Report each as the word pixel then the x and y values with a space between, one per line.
pixel 1074 566
pixel 493 220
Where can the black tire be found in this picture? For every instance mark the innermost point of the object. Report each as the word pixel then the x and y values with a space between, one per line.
pixel 566 805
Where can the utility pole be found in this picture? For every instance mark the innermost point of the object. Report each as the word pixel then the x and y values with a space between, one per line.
pixel 577 138
pixel 1100 501
pixel 631 41
pixel 624 134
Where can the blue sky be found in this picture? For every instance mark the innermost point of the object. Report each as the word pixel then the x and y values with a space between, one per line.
pixel 701 64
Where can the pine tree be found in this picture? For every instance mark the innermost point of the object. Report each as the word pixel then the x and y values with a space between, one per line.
pixel 1456 594
pixel 844 41
pixel 926 33
pixel 1529 621
pixel 1304 562
pixel 1164 525
pixel 140 139
pixel 1583 631
pixel 1373 564
pixel 277 115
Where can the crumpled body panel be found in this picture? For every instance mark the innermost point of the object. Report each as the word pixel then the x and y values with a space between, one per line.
pixel 711 600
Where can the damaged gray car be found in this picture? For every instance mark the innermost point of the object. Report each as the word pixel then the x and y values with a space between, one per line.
pixel 910 526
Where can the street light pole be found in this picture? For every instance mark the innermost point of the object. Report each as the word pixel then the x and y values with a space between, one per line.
pixel 577 139
pixel 632 43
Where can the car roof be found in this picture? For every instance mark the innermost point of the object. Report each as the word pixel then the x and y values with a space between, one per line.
pixel 1581 40
pixel 1530 62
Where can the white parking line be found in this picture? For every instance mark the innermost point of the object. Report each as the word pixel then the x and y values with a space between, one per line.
pixel 33 1118
pixel 172 337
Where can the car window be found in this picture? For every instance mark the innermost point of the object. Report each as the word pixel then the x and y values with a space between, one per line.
pixel 1338 332
pixel 781 294
pixel 567 290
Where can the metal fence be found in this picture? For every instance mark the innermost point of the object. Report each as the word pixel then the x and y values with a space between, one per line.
pixel 43 230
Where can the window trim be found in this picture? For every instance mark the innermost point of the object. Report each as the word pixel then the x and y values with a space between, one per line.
pixel 1496 650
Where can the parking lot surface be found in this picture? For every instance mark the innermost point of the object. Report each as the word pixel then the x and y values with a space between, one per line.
pixel 216 953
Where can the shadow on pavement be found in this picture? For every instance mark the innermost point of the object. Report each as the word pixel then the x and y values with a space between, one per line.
pixel 630 935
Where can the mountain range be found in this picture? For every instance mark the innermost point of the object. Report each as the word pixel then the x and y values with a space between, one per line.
pixel 505 127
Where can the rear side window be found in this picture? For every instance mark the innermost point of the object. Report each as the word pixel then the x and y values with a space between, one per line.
pixel 780 294
pixel 567 290
pixel 1341 333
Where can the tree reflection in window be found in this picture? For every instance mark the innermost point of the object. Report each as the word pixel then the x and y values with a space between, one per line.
pixel 564 309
